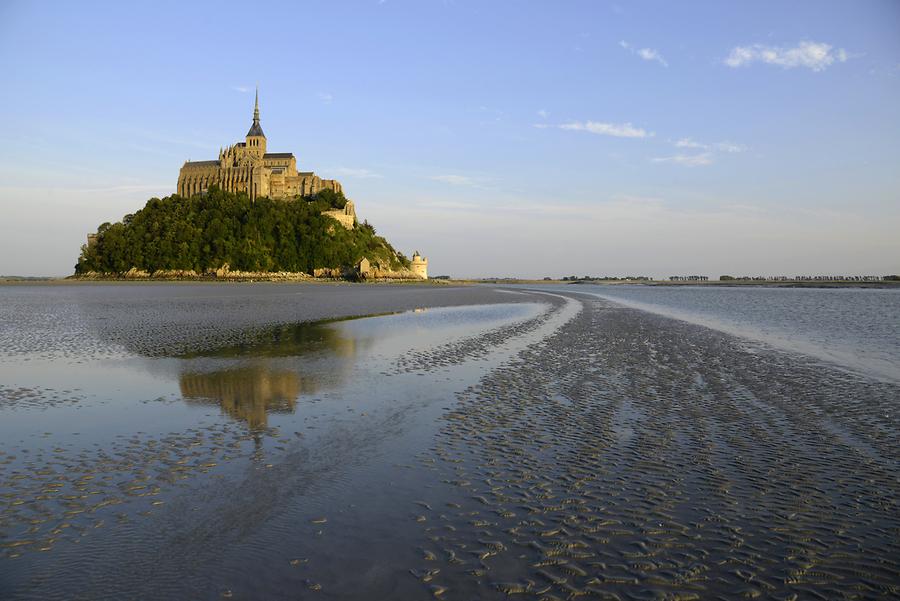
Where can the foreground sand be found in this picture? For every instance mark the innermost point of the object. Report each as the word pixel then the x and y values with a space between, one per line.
pixel 580 450
pixel 634 456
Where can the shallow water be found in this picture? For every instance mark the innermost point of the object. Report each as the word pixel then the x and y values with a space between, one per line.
pixel 228 442
pixel 182 457
pixel 858 329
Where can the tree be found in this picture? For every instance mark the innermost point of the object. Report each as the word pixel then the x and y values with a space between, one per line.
pixel 206 232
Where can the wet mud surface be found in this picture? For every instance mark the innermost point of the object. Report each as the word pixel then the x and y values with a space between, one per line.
pixel 633 456
pixel 547 446
pixel 82 322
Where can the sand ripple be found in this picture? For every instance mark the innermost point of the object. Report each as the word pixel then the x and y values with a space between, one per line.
pixel 637 457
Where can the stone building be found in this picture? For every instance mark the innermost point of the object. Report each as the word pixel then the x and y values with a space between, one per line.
pixel 248 167
pixel 419 265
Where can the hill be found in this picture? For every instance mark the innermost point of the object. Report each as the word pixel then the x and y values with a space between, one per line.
pixel 205 232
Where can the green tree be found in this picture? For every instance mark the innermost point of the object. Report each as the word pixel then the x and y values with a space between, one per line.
pixel 207 231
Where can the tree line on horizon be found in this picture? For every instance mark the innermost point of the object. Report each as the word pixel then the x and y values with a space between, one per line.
pixel 208 231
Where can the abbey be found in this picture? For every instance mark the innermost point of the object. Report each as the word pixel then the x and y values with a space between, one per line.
pixel 247 167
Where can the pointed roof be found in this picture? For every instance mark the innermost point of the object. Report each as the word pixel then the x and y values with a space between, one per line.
pixel 255 129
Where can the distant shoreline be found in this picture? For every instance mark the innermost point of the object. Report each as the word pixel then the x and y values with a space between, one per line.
pixel 712 283
pixel 74 281
pixel 276 278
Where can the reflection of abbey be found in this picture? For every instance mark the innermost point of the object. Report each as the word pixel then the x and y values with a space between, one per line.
pixel 247 167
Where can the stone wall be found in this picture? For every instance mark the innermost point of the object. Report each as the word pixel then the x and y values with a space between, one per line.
pixel 345 216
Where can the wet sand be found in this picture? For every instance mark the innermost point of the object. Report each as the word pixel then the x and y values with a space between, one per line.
pixel 535 445
pixel 634 456
pixel 177 318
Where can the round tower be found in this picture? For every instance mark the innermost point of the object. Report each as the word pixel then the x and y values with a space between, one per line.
pixel 419 265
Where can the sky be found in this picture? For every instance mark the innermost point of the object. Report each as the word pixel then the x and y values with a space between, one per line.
pixel 524 139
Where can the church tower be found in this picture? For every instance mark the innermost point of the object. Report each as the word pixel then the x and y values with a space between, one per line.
pixel 256 139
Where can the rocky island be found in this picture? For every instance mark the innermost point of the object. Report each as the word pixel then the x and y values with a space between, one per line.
pixel 250 214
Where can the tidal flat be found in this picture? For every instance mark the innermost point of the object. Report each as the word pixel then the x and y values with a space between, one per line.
pixel 294 441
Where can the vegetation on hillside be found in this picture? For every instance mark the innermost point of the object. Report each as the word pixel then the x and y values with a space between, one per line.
pixel 219 228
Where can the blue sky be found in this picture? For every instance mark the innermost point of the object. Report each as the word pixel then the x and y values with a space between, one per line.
pixel 498 138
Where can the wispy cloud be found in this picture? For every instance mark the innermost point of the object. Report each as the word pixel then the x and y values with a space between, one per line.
pixel 325 97
pixel 648 54
pixel 687 160
pixel 813 55
pixel 455 180
pixel 689 143
pixel 729 147
pixel 357 173
pixel 543 114
pixel 494 114
pixel 618 130
pixel 705 152
pixel 242 89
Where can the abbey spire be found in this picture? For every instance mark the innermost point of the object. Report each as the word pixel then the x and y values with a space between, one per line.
pixel 255 129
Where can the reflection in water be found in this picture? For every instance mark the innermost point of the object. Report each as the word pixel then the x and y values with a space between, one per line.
pixel 293 340
pixel 247 394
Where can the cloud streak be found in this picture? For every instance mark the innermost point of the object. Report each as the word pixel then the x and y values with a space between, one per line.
pixel 687 160
pixel 648 54
pixel 617 130
pixel 729 147
pixel 705 152
pixel 816 56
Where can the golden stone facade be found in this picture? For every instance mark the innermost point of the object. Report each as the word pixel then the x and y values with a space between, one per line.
pixel 247 167
pixel 419 265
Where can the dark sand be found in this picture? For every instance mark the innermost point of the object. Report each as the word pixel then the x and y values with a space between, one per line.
pixel 634 456
pixel 584 450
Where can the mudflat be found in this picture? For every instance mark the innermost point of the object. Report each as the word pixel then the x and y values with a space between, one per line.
pixel 209 442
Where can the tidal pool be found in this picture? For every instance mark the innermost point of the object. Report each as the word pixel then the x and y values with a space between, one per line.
pixel 131 473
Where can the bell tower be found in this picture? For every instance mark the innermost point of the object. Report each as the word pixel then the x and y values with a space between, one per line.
pixel 256 139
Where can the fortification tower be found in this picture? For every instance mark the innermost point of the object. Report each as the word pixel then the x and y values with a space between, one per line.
pixel 256 139
pixel 419 265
